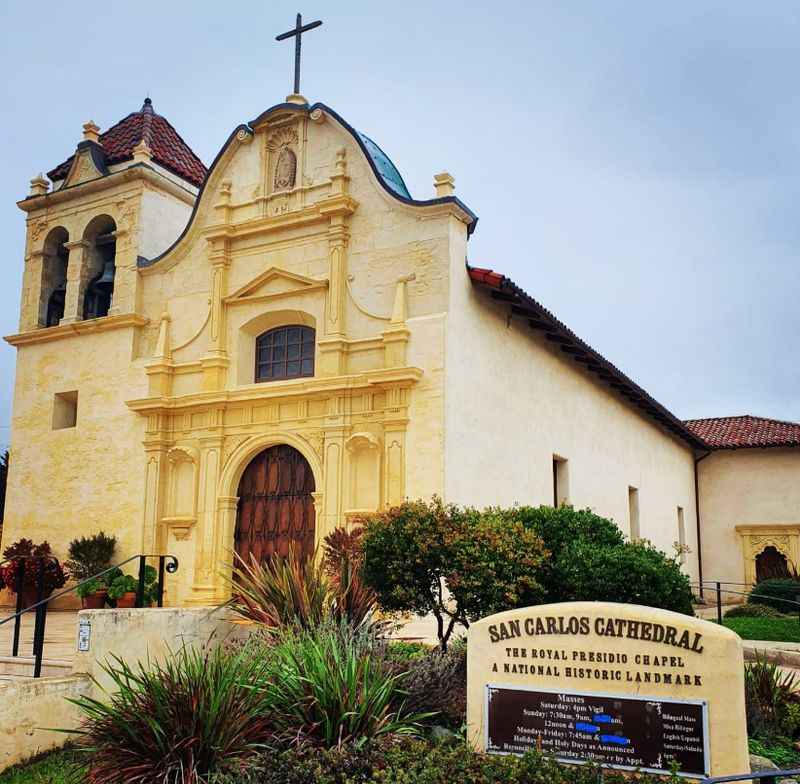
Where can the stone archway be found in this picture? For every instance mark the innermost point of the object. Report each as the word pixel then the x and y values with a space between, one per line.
pixel 276 505
pixel 770 563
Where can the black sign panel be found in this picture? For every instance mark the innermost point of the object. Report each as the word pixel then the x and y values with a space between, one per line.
pixel 625 732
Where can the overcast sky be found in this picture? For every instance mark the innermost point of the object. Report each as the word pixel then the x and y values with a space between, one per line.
pixel 635 166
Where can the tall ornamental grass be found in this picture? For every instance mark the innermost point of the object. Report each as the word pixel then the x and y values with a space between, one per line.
pixel 329 685
pixel 177 721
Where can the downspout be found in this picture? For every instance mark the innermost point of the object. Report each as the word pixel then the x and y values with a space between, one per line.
pixel 697 521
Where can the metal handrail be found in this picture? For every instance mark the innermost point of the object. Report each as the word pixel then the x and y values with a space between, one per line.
pixel 720 590
pixel 168 563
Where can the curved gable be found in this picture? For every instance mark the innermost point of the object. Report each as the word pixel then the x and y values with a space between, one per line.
pixel 385 173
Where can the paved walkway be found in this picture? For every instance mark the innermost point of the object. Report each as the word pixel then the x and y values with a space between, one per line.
pixel 60 635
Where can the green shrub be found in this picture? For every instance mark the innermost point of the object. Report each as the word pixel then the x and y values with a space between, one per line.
pixel 780 593
pixel 90 555
pixel 403 651
pixel 457 564
pixel 436 684
pixel 631 573
pixel 190 716
pixel 768 693
pixel 329 684
pixel 752 611
pixel 416 762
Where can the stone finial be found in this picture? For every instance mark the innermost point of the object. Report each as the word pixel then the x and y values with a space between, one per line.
pixel 444 184
pixel 341 161
pixel 142 152
pixel 39 185
pixel 91 132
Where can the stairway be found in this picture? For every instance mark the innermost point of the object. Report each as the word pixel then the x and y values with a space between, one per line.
pixel 59 647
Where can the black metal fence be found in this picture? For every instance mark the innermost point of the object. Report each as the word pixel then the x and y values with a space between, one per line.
pixel 723 595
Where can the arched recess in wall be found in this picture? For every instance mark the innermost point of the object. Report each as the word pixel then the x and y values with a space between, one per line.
pixel 264 322
pixel 55 260
pixel 181 501
pixel 364 473
pixel 97 286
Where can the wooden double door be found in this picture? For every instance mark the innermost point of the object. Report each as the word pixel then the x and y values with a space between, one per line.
pixel 276 505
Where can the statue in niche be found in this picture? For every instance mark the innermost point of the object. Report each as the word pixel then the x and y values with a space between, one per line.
pixel 285 169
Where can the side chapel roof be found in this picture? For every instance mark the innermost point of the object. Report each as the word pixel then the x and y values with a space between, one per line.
pixel 504 289
pixel 167 147
pixel 745 432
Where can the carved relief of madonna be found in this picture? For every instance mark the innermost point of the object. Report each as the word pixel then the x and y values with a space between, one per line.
pixel 285 169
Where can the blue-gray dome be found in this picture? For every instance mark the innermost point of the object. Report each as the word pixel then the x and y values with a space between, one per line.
pixel 385 167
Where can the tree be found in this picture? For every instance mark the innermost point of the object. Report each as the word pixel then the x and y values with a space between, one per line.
pixel 591 561
pixel 455 563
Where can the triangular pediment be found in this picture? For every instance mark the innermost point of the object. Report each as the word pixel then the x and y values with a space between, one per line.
pixel 275 282
pixel 87 164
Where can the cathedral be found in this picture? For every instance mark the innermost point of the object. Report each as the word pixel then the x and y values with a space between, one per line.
pixel 237 357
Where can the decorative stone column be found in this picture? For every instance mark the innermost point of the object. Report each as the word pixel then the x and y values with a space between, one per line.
pixel 206 560
pixel 227 506
pixel 77 278
pixel 215 362
pixel 338 207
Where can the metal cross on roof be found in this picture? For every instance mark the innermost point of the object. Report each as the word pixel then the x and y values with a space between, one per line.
pixel 298 31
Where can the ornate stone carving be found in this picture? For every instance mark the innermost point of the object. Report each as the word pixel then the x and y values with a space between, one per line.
pixel 285 169
pixel 37 229
pixel 316 438
pixel 282 137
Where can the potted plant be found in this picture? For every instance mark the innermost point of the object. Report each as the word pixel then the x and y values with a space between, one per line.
pixel 124 586
pixel 88 557
pixel 93 594
pixel 123 591
pixel 38 558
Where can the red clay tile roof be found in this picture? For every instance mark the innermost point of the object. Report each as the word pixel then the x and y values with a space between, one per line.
pixel 745 432
pixel 505 290
pixel 169 150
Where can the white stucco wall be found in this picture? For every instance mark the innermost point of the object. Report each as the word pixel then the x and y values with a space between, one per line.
pixel 513 402
pixel 744 487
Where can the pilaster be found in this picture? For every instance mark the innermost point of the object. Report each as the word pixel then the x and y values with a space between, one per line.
pixel 338 206
pixel 215 362
pixel 77 278
pixel 206 560
pixel 125 275
pixel 33 311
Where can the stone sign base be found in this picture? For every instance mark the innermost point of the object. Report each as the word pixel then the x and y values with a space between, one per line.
pixel 625 686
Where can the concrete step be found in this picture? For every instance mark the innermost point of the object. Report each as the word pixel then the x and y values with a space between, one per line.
pixel 22 666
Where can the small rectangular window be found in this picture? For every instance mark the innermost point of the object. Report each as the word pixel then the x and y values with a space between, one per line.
pixel 682 534
pixel 633 513
pixel 560 481
pixel 65 409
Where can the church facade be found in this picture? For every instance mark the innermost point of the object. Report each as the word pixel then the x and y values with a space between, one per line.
pixel 239 357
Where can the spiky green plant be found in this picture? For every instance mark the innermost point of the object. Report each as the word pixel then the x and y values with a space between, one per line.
pixel 281 591
pixel 329 686
pixel 768 693
pixel 176 721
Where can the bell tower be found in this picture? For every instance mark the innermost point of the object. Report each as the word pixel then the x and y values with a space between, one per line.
pixel 124 194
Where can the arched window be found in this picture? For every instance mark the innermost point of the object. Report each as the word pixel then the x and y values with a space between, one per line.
pixel 100 234
pixel 285 352
pixel 54 277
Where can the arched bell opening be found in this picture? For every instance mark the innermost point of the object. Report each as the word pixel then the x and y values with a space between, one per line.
pixel 54 277
pixel 101 253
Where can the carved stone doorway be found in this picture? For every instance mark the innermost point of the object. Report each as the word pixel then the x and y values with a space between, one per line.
pixel 770 563
pixel 276 505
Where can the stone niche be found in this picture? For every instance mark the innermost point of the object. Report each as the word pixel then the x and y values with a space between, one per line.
pixel 626 686
pixel 766 547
